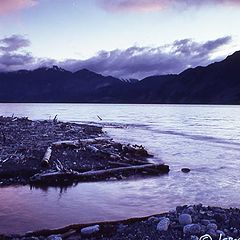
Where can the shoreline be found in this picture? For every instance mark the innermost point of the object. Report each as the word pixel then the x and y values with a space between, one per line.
pixel 186 222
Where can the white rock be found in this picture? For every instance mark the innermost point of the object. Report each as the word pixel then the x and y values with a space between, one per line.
pixel 54 237
pixel 163 224
pixel 90 230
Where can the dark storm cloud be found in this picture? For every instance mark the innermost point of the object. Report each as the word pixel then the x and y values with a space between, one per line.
pixel 139 62
pixel 157 5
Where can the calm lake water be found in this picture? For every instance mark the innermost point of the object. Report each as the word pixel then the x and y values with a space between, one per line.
pixel 203 138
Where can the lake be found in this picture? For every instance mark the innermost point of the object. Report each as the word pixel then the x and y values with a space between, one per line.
pixel 205 139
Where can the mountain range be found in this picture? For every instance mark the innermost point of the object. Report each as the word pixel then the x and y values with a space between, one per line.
pixel 217 83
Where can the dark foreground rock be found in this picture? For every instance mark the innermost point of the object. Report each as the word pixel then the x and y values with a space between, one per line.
pixel 186 222
pixel 53 152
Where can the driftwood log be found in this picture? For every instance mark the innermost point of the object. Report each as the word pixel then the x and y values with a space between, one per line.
pixel 46 157
pixel 63 176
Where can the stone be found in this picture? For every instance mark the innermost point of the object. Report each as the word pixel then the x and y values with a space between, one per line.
pixel 185 219
pixel 203 228
pixel 192 229
pixel 212 233
pixel 220 233
pixel 185 170
pixel 212 226
pixel 153 219
pixel 205 222
pixel 121 227
pixel 193 237
pixel 54 237
pixel 163 224
pixel 90 230
pixel 219 217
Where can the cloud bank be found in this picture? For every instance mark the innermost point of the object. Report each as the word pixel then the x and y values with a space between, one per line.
pixel 134 62
pixel 9 6
pixel 156 5
pixel 140 62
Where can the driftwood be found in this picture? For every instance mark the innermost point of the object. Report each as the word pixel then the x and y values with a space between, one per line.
pixel 65 144
pixel 99 118
pixel 122 164
pixel 46 157
pixel 62 176
pixel 148 168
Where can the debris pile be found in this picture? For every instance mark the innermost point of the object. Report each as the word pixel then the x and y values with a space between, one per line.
pixel 53 152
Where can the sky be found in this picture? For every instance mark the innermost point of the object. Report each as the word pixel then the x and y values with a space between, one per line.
pixel 122 38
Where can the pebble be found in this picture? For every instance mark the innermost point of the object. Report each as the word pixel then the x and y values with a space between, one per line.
pixel 186 170
pixel 163 224
pixel 185 219
pixel 212 226
pixel 192 229
pixel 54 237
pixel 90 230
pixel 219 233
pixel 153 219
pixel 193 237
pixel 212 233
pixel 205 222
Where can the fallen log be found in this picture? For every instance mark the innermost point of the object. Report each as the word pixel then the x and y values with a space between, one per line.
pixel 66 144
pixel 103 174
pixel 122 164
pixel 63 176
pixel 134 161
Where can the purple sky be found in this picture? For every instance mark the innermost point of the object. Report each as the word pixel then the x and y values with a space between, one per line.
pixel 123 38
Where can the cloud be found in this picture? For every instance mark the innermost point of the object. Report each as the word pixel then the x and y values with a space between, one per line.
pixel 139 62
pixel 156 5
pixel 11 55
pixel 8 6
pixel 132 5
pixel 13 43
pixel 11 61
pixel 134 62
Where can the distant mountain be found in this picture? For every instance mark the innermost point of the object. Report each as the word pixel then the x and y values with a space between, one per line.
pixel 218 83
pixel 55 85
